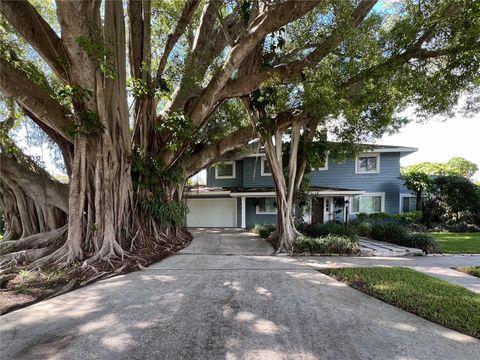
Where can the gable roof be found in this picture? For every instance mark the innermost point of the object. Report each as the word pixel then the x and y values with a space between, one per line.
pixel 253 149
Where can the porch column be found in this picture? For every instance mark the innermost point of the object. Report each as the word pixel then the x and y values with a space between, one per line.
pixel 244 213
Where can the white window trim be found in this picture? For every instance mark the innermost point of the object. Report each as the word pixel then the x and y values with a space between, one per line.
pixel 402 197
pixel 326 165
pixel 382 201
pixel 262 166
pixel 258 212
pixel 376 171
pixel 226 177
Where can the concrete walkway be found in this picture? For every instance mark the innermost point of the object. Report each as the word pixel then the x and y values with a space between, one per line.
pixel 204 306
pixel 369 247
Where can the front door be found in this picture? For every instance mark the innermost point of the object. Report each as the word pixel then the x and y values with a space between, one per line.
pixel 317 210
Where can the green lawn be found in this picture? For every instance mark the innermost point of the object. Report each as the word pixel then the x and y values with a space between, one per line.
pixel 436 300
pixel 459 243
pixel 472 270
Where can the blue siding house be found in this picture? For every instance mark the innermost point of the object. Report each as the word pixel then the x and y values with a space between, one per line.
pixel 240 192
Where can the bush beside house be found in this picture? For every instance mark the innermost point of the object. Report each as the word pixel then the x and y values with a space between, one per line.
pixel 328 245
pixel 325 239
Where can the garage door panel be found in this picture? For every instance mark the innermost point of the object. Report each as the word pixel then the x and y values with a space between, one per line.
pixel 212 212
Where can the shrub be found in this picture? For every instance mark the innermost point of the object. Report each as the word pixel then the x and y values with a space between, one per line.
pixel 330 228
pixel 361 228
pixel 390 232
pixel 302 227
pixel 264 230
pixel 409 217
pixel 461 227
pixel 328 245
pixel 381 216
pixel 397 234
pixel 425 242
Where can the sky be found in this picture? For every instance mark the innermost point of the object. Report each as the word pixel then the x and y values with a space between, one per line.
pixel 438 141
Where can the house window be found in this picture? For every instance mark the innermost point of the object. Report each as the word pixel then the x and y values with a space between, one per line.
pixel 225 170
pixel 266 206
pixel 369 204
pixel 324 165
pixel 409 203
pixel 266 168
pixel 367 164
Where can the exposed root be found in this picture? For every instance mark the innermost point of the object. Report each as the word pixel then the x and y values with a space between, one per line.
pixel 283 242
pixel 24 256
pixel 35 241
pixel 61 256
pixel 110 250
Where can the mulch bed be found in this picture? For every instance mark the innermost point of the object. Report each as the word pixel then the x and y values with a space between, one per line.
pixel 30 287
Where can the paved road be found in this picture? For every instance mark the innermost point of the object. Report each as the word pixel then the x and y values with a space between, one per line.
pixel 203 306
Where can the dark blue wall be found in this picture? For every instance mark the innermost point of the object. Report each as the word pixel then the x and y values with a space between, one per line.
pixel 253 218
pixel 237 182
pixel 248 174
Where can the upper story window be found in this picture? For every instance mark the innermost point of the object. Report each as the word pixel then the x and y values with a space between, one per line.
pixel 369 203
pixel 225 170
pixel 266 168
pixel 367 164
pixel 266 206
pixel 324 165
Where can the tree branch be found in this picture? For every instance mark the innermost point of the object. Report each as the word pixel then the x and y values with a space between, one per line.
pixel 183 21
pixel 34 99
pixel 266 22
pixel 238 139
pixel 38 33
pixel 244 85
pixel 207 155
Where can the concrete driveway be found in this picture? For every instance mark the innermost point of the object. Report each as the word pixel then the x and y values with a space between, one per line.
pixel 205 306
pixel 218 241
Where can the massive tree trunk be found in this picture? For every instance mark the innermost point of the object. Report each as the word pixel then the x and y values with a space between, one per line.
pixel 285 233
pixel 33 202
pixel 102 215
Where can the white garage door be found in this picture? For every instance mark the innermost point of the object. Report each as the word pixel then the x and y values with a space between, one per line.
pixel 212 213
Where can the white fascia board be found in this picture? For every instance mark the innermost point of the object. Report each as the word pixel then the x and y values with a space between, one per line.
pixel 359 192
pixel 253 194
pixel 215 193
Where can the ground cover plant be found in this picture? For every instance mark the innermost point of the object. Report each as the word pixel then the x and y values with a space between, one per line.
pixel 330 228
pixel 327 245
pixel 458 243
pixel 263 230
pixel 471 270
pixel 436 300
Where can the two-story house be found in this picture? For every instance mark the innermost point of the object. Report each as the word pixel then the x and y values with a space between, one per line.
pixel 240 192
